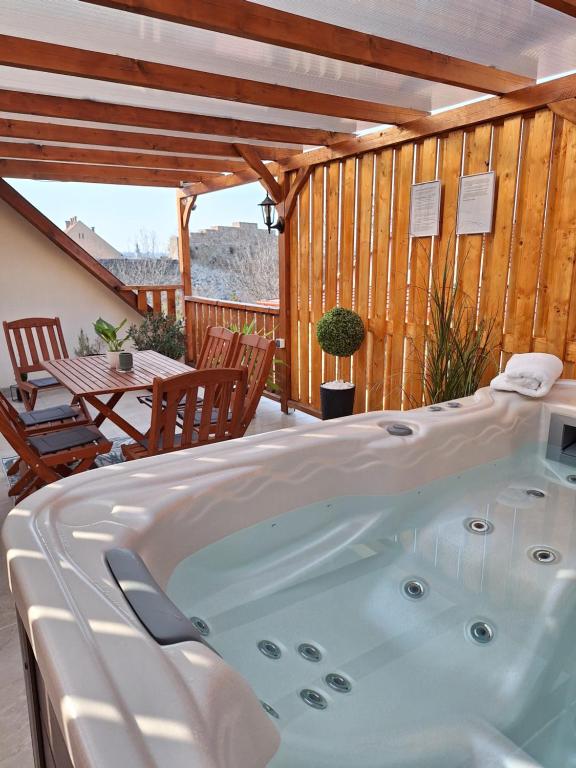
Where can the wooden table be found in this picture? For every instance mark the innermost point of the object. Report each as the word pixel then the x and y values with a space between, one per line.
pixel 89 377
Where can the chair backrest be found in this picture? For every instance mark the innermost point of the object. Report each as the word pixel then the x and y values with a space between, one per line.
pixel 13 432
pixel 218 348
pixel 33 340
pixel 255 353
pixel 214 417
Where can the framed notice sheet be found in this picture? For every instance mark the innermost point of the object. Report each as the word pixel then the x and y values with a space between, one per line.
pixel 476 203
pixel 425 209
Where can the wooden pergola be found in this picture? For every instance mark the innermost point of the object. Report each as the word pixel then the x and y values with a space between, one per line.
pixel 206 95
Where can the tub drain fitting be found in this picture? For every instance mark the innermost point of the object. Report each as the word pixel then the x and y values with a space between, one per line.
pixel 271 711
pixel 544 555
pixel 481 632
pixel 536 493
pixel 309 652
pixel 338 683
pixel 313 699
pixel 479 525
pixel 200 625
pixel 414 589
pixel 269 649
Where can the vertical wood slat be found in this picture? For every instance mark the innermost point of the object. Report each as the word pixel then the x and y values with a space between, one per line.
pixel 419 279
pixel 317 281
pixel 362 282
pixel 381 246
pixel 347 227
pixel 505 158
pixel 304 292
pixel 529 226
pixel 294 305
pixel 331 273
pixel 399 273
pixel 476 160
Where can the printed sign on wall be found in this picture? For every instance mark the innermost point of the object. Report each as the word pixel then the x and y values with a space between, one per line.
pixel 476 203
pixel 425 209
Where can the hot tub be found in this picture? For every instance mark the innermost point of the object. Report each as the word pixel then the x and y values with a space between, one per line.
pixel 392 589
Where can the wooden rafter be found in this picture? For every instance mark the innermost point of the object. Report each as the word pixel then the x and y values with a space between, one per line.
pixel 18 150
pixel 565 109
pixel 525 100
pixel 253 159
pixel 48 171
pixel 65 243
pixel 161 119
pixel 71 134
pixel 276 27
pixel 64 60
pixel 564 6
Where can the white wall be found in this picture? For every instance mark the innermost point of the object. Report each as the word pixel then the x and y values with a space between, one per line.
pixel 38 280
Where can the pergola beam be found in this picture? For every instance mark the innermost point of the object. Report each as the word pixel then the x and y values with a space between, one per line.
pixel 564 6
pixel 535 97
pixel 17 150
pixel 70 134
pixel 253 159
pixel 77 62
pixel 288 30
pixel 162 119
pixel 48 171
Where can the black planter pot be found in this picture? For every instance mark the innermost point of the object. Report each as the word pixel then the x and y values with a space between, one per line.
pixel 336 403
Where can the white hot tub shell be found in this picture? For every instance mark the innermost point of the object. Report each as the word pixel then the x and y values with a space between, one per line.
pixel 120 698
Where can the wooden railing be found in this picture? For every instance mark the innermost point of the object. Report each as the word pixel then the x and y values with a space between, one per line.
pixel 159 298
pixel 202 312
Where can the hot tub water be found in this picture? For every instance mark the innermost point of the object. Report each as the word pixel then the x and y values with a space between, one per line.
pixel 429 628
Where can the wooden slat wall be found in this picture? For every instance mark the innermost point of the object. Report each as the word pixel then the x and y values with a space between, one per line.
pixel 350 247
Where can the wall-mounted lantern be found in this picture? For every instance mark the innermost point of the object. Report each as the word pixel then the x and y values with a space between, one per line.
pixel 269 215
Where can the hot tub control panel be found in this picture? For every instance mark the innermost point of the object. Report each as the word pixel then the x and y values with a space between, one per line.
pixel 562 439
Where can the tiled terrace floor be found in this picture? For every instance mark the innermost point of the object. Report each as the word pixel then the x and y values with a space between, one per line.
pixel 15 748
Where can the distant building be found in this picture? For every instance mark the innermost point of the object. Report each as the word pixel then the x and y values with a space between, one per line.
pixel 90 241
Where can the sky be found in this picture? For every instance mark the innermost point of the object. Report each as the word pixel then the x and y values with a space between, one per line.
pixel 118 213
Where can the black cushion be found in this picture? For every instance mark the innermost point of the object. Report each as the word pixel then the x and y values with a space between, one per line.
pixel 44 381
pixel 64 439
pixel 44 415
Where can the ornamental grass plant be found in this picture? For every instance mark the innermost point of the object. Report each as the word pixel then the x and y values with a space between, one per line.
pixel 458 344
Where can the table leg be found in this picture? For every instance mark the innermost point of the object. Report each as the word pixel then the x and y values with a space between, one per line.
pixel 106 411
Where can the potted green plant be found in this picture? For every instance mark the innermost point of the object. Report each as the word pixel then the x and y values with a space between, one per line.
pixel 340 332
pixel 160 332
pixel 109 335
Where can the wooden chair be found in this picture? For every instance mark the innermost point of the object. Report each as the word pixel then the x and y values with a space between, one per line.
pixel 44 420
pixel 218 348
pixel 215 418
pixel 256 354
pixel 30 342
pixel 45 458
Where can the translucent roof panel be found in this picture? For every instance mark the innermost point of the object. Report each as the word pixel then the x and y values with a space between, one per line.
pixel 521 36
pixel 68 22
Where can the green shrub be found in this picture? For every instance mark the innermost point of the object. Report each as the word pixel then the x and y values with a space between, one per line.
pixel 340 332
pixel 162 333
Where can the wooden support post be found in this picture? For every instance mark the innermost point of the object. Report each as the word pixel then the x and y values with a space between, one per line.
pixel 185 206
pixel 284 294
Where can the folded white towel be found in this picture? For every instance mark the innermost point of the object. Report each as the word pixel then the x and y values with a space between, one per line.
pixel 532 374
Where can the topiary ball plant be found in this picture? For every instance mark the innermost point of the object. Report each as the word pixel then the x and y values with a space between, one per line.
pixel 340 332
